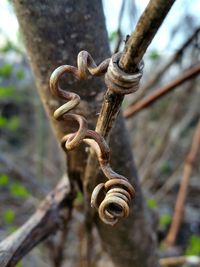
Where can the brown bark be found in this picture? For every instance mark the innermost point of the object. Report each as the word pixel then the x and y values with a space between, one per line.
pixel 54 32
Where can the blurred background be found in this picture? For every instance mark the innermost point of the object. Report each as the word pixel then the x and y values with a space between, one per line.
pixel 161 135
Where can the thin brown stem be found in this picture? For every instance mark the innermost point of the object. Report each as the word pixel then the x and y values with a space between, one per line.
pixel 149 100
pixel 182 194
pixel 145 30
pixel 119 32
pixel 159 74
pixel 112 101
pixel 179 260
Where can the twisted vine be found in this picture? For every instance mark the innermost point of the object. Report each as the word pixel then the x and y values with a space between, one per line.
pixel 112 198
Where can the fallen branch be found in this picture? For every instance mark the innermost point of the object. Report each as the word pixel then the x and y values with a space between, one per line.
pixel 52 213
pixel 149 100
pixel 182 194
pixel 177 261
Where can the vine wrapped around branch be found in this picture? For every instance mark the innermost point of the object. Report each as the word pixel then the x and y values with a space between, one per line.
pixel 111 199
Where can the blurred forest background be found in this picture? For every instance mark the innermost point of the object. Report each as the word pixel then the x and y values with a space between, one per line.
pixel 161 135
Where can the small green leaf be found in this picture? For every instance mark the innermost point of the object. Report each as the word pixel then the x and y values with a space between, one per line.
pixel 20 74
pixel 151 203
pixel 6 70
pixel 165 220
pixel 193 247
pixel 112 36
pixel 9 216
pixel 13 124
pixel 79 197
pixel 6 91
pixel 154 55
pixel 3 122
pixel 165 167
pixel 19 264
pixel 7 47
pixel 19 191
pixel 4 179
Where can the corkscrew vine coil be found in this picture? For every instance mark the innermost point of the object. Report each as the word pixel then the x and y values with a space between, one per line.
pixel 112 198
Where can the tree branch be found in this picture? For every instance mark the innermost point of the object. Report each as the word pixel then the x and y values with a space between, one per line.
pixel 180 202
pixel 156 78
pixel 145 30
pixel 52 213
pixel 149 100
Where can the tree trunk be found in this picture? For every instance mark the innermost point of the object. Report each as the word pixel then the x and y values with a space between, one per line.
pixel 54 32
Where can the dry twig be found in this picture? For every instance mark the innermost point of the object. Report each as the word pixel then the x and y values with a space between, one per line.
pixel 149 100
pixel 177 261
pixel 156 78
pixel 49 217
pixel 180 202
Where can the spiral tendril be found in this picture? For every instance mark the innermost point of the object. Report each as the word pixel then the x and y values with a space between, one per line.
pixel 112 198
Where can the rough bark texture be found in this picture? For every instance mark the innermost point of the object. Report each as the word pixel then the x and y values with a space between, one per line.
pixel 54 33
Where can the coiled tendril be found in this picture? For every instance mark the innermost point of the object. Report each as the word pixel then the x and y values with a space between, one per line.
pixel 112 198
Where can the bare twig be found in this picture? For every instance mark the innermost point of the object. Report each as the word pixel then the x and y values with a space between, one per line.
pixel 147 101
pixel 119 32
pixel 180 260
pixel 49 217
pixel 156 78
pixel 180 202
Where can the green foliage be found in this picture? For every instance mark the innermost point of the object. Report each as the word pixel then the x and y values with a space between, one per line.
pixel 6 70
pixel 11 124
pixel 165 167
pixel 19 191
pixel 112 36
pixel 6 91
pixel 19 264
pixel 8 216
pixel 151 203
pixel 7 47
pixel 153 55
pixel 165 220
pixel 20 74
pixel 4 179
pixel 79 197
pixel 193 247
pixel 3 122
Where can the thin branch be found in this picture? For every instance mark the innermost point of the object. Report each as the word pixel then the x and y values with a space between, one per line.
pixel 156 78
pixel 49 217
pixel 145 30
pixel 119 32
pixel 135 48
pixel 179 260
pixel 180 202
pixel 112 101
pixel 149 100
